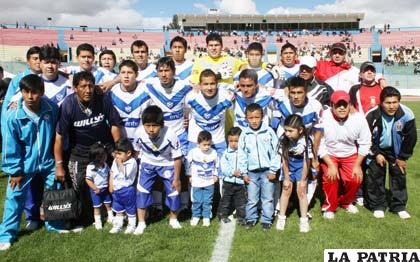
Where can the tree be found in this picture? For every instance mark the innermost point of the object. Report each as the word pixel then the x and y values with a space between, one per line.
pixel 174 24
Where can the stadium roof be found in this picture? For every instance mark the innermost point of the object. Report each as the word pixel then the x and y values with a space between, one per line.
pixel 202 20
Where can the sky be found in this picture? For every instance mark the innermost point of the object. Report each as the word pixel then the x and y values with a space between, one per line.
pixel 154 14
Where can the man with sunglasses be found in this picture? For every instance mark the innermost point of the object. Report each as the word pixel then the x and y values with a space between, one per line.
pixel 345 143
pixel 316 88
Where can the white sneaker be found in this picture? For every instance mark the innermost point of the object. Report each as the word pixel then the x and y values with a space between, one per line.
pixel 379 214
pixel 5 246
pixel 140 228
pixel 194 221
pixel 130 230
pixel 359 201
pixel 304 225
pixel 77 229
pixel 115 229
pixel 328 215
pixel 32 225
pixel 352 209
pixel 98 225
pixel 404 215
pixel 281 223
pixel 174 223
pixel 206 222
pixel 109 220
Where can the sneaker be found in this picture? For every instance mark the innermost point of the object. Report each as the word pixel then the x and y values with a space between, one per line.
pixel 206 222
pixel 309 215
pixel 250 224
pixel 194 221
pixel 404 215
pixel 77 229
pixel 109 220
pixel 5 246
pixel 328 215
pixel 174 223
pixel 225 220
pixel 304 225
pixel 32 225
pixel 98 225
pixel 115 229
pixel 359 201
pixel 266 226
pixel 281 223
pixel 379 214
pixel 130 230
pixel 352 209
pixel 140 228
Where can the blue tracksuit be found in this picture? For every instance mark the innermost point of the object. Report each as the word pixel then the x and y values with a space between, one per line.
pixel 257 158
pixel 27 152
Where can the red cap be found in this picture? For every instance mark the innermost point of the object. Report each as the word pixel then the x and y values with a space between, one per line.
pixel 340 95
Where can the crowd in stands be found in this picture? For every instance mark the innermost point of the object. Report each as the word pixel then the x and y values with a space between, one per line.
pixel 217 133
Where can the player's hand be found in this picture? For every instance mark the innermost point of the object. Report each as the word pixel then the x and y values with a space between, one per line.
pixel 383 83
pixel 358 173
pixel 401 164
pixel 59 173
pixel 12 105
pixel 237 173
pixel 176 184
pixel 247 180
pixel 215 179
pixel 315 164
pixel 225 71
pixel 276 72
pixel 15 181
pixel 190 179
pixel 97 191
pixel 332 173
pixel 186 122
pixel 287 184
pixel 271 177
pixel 380 160
pixel 111 189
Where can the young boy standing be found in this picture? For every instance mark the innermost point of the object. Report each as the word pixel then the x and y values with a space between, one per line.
pixel 202 166
pixel 258 164
pixel 161 156
pixel 28 152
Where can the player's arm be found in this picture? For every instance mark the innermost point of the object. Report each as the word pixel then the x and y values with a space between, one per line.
pixel 58 156
pixel 177 173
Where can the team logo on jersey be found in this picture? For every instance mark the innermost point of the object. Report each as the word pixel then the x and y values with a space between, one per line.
pixel 167 174
pixel 128 109
pixel 205 165
pixel 207 116
pixel 398 126
pixel 59 97
pixel 169 104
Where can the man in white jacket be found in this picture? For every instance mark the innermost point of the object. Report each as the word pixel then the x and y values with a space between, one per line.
pixel 344 145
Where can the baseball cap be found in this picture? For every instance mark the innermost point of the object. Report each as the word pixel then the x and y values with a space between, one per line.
pixel 340 95
pixel 366 65
pixel 339 46
pixel 308 61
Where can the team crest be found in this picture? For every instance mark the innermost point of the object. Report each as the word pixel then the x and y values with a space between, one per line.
pixel 59 97
pixel 205 166
pixel 170 104
pixel 398 126
pixel 128 109
pixel 167 174
pixel 207 116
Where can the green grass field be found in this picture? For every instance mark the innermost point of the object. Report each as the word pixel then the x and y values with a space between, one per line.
pixel 160 243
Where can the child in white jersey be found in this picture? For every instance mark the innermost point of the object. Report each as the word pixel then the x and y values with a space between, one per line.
pixel 202 166
pixel 97 177
pixel 123 175
pixel 296 154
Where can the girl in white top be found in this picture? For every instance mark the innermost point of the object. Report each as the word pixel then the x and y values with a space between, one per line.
pixel 97 176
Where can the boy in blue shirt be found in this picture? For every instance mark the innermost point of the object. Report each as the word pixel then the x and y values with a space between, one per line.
pixel 28 136
pixel 258 164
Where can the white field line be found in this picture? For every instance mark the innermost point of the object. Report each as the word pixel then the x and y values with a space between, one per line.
pixel 223 244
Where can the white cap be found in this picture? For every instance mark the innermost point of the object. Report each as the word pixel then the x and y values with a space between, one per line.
pixel 309 61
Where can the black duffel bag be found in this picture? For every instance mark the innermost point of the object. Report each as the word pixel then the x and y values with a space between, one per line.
pixel 61 204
